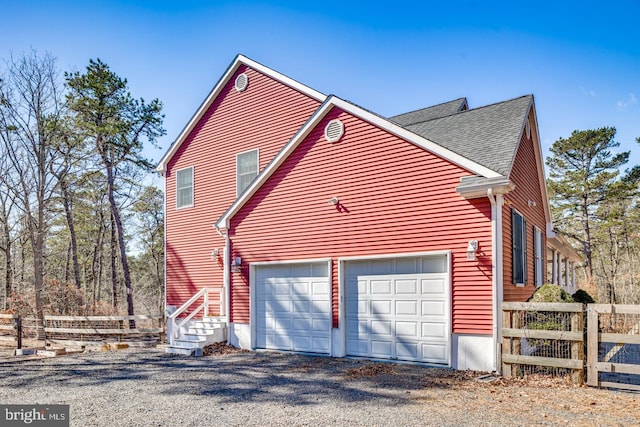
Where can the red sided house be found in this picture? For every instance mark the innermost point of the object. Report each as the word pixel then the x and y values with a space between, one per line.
pixel 317 226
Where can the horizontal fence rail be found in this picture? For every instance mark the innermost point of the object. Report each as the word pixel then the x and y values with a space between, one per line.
pixel 81 330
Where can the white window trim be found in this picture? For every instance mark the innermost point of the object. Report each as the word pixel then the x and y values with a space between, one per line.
pixel 524 250
pixel 257 151
pixel 193 186
pixel 537 256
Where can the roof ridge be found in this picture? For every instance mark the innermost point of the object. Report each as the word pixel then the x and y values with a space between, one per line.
pixel 469 110
pixel 430 106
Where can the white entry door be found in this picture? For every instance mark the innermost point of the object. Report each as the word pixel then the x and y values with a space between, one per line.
pixel 293 307
pixel 399 309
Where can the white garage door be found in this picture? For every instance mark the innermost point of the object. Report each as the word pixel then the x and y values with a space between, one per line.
pixel 399 309
pixel 293 307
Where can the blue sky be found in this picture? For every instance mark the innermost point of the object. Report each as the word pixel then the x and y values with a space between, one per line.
pixel 581 60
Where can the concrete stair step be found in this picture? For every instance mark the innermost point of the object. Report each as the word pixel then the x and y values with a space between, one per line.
pixel 184 351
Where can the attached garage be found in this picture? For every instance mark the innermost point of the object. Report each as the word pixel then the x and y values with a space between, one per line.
pixel 399 308
pixel 292 308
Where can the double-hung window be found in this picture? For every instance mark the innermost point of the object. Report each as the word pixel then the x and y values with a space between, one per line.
pixel 184 187
pixel 537 256
pixel 519 244
pixel 246 169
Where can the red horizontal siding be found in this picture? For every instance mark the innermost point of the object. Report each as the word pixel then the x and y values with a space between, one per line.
pixel 265 116
pixel 394 198
pixel 526 178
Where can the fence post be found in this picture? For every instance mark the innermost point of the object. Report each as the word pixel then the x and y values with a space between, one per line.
pixel 577 347
pixel 17 323
pixel 592 345
pixel 121 327
pixel 506 343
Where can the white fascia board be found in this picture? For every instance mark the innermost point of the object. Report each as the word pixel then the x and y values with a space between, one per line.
pixel 540 164
pixel 237 62
pixel 415 139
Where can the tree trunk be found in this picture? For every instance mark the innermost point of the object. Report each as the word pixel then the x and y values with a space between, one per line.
pixel 115 213
pixel 114 271
pixel 66 201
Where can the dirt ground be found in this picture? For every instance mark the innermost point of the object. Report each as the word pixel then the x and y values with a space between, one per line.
pixel 262 388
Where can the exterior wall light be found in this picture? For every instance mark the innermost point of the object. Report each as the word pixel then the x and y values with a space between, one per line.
pixel 472 249
pixel 235 264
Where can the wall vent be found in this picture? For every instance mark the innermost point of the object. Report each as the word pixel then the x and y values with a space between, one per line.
pixel 334 131
pixel 242 81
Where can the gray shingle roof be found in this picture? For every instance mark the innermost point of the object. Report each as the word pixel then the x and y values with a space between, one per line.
pixel 487 135
pixel 430 113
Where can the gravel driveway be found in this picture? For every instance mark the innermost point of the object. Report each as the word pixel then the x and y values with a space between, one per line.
pixel 146 387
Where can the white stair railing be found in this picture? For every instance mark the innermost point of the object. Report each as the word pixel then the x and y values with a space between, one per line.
pixel 175 324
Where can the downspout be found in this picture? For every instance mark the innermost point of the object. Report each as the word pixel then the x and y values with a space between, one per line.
pixel 226 276
pixel 497 279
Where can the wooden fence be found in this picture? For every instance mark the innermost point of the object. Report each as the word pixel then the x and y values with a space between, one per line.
pixel 11 329
pixel 611 339
pixel 83 330
pixel 552 334
pixel 614 345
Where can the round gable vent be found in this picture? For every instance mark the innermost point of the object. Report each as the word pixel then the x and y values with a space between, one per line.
pixel 334 131
pixel 242 81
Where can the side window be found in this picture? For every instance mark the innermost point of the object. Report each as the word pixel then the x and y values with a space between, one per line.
pixel 519 243
pixel 537 256
pixel 246 169
pixel 184 187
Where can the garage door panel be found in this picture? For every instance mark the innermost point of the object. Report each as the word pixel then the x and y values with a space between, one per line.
pixel 406 286
pixel 321 308
pixel 300 288
pixel 381 348
pixel 321 325
pixel 278 306
pixel 301 324
pixel 406 308
pixel 434 308
pixel 381 307
pixel 407 329
pixel 398 309
pixel 433 286
pixel 293 308
pixel 378 327
pixel 320 288
pixel 434 330
pixel 434 352
pixel 301 306
pixel 282 288
pixel 320 345
pixel 380 287
pixel 407 350
pixel 301 343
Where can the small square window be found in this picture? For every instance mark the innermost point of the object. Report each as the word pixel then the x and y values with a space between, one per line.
pixel 184 187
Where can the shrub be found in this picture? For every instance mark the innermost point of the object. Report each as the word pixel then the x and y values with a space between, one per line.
pixel 583 297
pixel 550 293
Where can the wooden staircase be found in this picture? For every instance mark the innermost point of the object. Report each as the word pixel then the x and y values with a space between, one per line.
pixel 190 334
